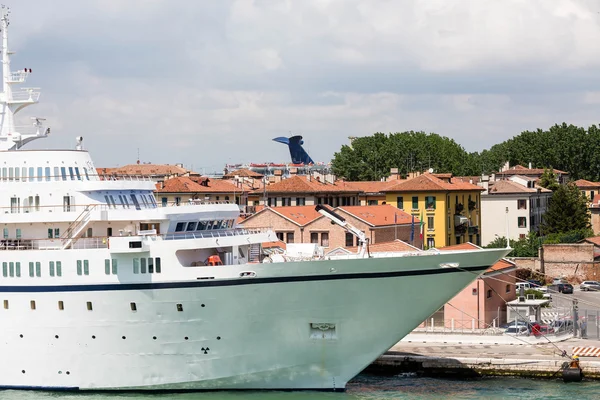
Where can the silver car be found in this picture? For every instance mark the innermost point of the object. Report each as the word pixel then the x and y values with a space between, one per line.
pixel 589 285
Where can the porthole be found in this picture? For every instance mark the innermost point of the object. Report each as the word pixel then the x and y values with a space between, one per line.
pixel 179 307
pixel 123 337
pixel 21 336
pixel 93 336
pixel 218 337
pixel 68 373
pixel 133 306
pixel 201 305
pixel 56 336
pixel 22 371
pixel 186 338
pixel 154 337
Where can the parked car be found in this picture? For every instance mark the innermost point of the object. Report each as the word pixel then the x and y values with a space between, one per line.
pixel 589 285
pixel 518 330
pixel 535 284
pixel 567 288
pixel 546 329
pixel 512 323
pixel 524 285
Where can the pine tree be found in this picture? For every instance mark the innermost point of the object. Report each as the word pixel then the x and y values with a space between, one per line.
pixel 548 180
pixel 567 211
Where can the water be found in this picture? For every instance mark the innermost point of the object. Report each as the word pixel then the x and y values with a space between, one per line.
pixel 366 387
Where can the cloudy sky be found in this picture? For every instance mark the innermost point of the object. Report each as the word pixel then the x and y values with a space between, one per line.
pixel 211 82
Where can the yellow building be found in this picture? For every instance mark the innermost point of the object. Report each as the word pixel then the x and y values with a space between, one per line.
pixel 449 208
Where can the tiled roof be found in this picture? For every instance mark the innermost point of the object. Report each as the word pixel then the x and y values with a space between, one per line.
pixel 430 183
pixel 582 183
pixel 244 172
pixel 144 169
pixel 508 187
pixel 380 215
pixel 300 215
pixel 594 240
pixel 301 184
pixel 386 247
pixel 184 184
pixel 371 186
pixel 521 170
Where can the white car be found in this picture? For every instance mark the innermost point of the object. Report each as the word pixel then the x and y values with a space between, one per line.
pixel 519 330
pixel 589 285
pixel 544 290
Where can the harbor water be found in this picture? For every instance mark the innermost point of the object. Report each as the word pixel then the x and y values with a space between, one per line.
pixel 367 387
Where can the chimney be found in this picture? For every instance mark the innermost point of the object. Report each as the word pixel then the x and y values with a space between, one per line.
pixel 529 164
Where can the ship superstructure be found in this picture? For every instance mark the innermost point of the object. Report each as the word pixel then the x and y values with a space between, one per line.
pixel 103 289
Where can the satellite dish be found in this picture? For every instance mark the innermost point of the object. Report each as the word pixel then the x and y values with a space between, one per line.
pixel 431 170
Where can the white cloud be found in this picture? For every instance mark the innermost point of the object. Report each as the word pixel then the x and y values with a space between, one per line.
pixel 211 82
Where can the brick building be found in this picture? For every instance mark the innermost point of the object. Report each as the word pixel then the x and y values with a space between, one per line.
pixel 302 224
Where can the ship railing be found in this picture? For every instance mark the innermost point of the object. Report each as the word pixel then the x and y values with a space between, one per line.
pixel 70 208
pixel 52 244
pixel 212 234
pixel 193 202
pixel 32 95
pixel 28 129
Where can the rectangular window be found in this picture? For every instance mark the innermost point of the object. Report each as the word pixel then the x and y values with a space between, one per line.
pixel 133 306
pixel 31 270
pixel 107 266
pixel 136 266
pixel 522 204
pixel 349 239
pixel 77 173
pixel 58 268
pixel 300 201
pixel 191 226
pixel 51 268
pixel 325 239
pixel 314 237
pixel 86 267
pixel 279 235
pixel 38 269
pixel 11 269
pixel 430 202
pixel 61 305
pixel 79 269
pixel 180 307
pixel 522 222
pixel 430 225
pixel 400 202
pixel 430 243
pixel 71 174
pixel 150 265
pixel 63 173
pixel 18 269
pixel 415 203
pixel 158 267
pixel 89 306
pixel 5 269
pixel 507 288
pixel 6 304
pixel 179 227
pixel 135 202
pixel 143 265
pixel 489 294
pixel 164 201
pixel 48 174
pixel 40 174
pixel 32 304
pixel 56 174
pixel 289 237
pixel 115 267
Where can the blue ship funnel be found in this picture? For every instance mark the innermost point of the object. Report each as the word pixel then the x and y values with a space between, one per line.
pixel 297 152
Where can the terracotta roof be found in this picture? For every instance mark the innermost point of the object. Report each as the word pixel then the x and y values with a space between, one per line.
pixel 594 240
pixel 582 183
pixel 244 172
pixel 269 245
pixel 381 215
pixel 299 215
pixel 371 186
pixel 429 183
pixel 144 169
pixel 386 247
pixel 184 184
pixel 301 184
pixel 521 170
pixel 498 266
pixel 508 187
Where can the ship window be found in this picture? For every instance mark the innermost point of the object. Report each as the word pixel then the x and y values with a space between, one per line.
pixel 31 270
pixel 5 269
pixel 71 174
pixel 24 174
pixel 216 224
pixel 135 244
pixel 51 268
pixel 179 226
pixel 136 265
pixel 107 266
pixel 32 304
pixel 135 202
pixel 56 174
pixel 125 201
pixel 58 268
pixel 63 173
pixel 87 177
pixel 78 267
pixel 150 265
pixel 61 305
pixel 11 269
pixel 191 226
pixel 6 304
pixel 40 174
pixel 158 270
pixel 89 306
pixel 201 226
pixel 18 269
pixel 143 265
pixel 17 173
pixel 31 174
pixel 38 269
pixel 114 266
pixel 77 173
pixel 121 201
pixel 133 306
pixel 179 307
pixel 209 225
pixel 86 267
pixel 107 201
pixel 48 174
pixel 144 200
pixel 112 200
pixel 11 174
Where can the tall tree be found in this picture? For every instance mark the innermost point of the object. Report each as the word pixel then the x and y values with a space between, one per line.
pixel 548 180
pixel 567 211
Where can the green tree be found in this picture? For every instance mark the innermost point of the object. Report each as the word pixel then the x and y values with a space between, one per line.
pixel 548 180
pixel 567 211
pixel 524 247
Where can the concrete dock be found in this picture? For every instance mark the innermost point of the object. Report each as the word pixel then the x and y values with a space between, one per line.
pixel 469 356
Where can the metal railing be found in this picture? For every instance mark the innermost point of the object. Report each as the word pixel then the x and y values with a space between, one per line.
pixel 52 244
pixel 26 95
pixel 211 234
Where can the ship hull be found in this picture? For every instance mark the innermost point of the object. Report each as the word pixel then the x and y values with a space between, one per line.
pixel 286 328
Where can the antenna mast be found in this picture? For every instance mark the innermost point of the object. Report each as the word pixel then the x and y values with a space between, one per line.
pixel 12 101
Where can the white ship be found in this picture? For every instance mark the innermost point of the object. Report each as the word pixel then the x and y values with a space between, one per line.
pixel 102 289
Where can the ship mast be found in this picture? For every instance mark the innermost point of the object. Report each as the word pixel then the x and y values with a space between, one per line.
pixel 12 101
